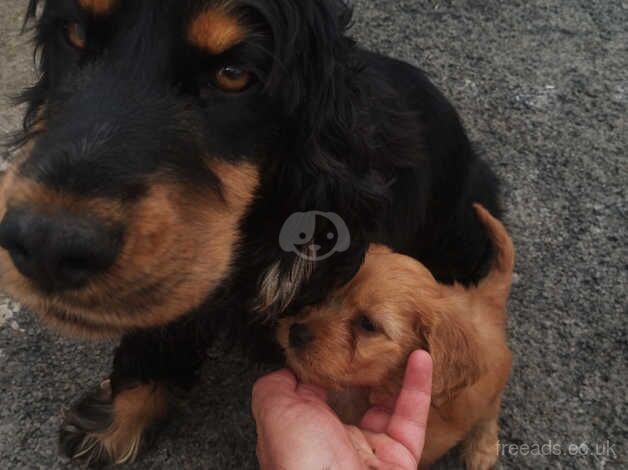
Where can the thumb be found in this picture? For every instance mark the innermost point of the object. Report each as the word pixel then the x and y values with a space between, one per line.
pixel 271 388
pixel 409 420
pixel 312 392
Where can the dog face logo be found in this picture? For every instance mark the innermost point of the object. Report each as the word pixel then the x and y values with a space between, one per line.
pixel 314 235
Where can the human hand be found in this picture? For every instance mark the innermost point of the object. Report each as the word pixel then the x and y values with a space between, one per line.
pixel 297 430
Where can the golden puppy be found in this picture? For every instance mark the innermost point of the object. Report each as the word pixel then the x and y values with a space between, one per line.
pixel 358 343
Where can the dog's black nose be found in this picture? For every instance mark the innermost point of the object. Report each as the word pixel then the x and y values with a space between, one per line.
pixel 300 335
pixel 58 251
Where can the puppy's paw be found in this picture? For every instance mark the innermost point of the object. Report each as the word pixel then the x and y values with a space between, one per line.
pixel 481 449
pixel 101 431
pixel 481 459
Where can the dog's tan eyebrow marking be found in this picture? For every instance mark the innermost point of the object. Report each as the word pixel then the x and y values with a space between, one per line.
pixel 215 31
pixel 98 7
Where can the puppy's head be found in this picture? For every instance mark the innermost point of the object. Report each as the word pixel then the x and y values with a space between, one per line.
pixel 363 335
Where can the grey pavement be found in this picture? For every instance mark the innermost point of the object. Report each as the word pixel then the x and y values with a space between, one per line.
pixel 543 88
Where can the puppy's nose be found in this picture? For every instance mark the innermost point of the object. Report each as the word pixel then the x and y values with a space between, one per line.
pixel 300 335
pixel 57 251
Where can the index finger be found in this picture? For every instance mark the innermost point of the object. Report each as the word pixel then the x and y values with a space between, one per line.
pixel 409 420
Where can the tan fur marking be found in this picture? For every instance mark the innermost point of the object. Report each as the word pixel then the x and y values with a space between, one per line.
pixel 215 30
pixel 134 411
pixel 178 247
pixel 28 192
pixel 98 7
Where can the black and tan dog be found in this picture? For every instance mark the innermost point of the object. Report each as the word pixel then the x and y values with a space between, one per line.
pixel 167 143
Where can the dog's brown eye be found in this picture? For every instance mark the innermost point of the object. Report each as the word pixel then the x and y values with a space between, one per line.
pixel 233 79
pixel 76 35
pixel 365 324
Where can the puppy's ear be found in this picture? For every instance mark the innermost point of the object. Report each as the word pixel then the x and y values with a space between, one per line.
pixel 455 354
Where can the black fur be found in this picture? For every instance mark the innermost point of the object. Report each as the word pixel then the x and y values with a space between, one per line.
pixel 333 127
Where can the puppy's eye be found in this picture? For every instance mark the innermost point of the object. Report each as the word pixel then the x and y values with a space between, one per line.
pixel 233 79
pixel 76 35
pixel 365 324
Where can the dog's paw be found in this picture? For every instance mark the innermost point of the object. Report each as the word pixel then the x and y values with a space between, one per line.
pixel 481 459
pixel 481 449
pixel 100 431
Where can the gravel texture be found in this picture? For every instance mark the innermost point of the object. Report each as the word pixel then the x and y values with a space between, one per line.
pixel 543 89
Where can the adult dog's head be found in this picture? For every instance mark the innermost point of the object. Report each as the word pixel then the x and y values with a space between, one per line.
pixel 150 132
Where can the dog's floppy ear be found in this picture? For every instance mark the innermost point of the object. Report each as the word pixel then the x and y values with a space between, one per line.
pixel 322 162
pixel 311 50
pixel 454 348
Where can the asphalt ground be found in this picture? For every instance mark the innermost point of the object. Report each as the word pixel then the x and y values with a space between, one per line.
pixel 543 89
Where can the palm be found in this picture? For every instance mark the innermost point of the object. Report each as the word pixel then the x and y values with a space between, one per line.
pixel 380 451
pixel 297 429
pixel 392 439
